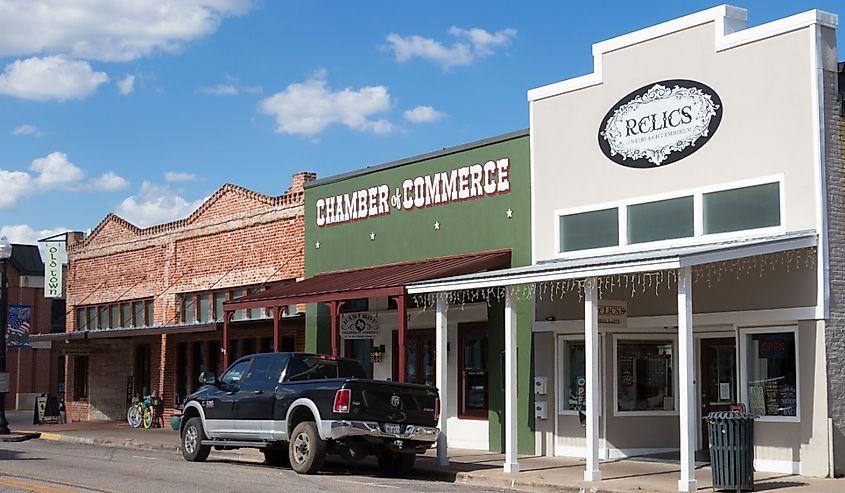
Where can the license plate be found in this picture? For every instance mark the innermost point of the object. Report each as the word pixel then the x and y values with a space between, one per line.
pixel 392 428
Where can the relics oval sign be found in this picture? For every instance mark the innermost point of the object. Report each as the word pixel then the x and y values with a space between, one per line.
pixel 660 123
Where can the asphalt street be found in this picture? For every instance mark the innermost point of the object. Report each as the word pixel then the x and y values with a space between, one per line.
pixel 54 467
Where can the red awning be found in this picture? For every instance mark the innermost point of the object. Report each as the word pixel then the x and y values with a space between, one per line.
pixel 382 280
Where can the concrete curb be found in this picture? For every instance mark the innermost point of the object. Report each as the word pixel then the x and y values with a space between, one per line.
pixel 468 478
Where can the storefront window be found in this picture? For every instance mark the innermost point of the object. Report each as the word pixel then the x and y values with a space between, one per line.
pixel 662 220
pixel 219 298
pixel 772 363
pixel 574 380
pixel 473 371
pixel 593 229
pixel 204 309
pixel 644 376
pixel 742 208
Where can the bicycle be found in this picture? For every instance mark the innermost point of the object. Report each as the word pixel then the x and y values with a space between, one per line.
pixel 135 413
pixel 144 412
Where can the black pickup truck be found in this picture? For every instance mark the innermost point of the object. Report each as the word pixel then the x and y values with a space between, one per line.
pixel 299 407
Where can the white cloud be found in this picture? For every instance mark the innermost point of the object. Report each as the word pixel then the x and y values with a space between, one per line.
pixel 474 43
pixel 26 235
pixel 176 176
pixel 307 108
pixel 108 30
pixel 424 114
pixel 155 204
pixel 109 182
pixel 27 129
pixel 16 184
pixel 126 85
pixel 50 78
pixel 55 170
pixel 219 90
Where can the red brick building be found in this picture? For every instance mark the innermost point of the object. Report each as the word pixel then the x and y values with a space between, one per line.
pixel 145 305
pixel 40 368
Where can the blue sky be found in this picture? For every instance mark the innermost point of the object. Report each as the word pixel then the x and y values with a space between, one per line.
pixel 144 108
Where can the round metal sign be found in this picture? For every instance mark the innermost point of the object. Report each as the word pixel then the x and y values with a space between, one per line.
pixel 660 123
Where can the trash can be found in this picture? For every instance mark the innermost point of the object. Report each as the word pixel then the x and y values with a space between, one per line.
pixel 731 436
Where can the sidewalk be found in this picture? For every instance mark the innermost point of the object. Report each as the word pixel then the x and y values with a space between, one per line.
pixel 466 466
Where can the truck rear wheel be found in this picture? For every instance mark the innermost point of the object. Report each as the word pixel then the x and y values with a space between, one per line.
pixel 192 437
pixel 395 464
pixel 307 451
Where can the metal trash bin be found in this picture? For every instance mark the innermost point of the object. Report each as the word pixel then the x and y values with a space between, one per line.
pixel 731 436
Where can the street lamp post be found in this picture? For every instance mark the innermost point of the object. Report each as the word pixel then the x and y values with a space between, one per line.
pixel 5 254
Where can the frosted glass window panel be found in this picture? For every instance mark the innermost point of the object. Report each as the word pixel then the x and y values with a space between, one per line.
pixel 661 220
pixel 594 229
pixel 740 209
pixel 219 298
pixel 204 308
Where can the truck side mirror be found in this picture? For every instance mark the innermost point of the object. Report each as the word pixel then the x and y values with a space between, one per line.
pixel 208 378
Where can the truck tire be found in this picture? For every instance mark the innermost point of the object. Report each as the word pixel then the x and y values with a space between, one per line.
pixel 307 451
pixel 277 457
pixel 395 464
pixel 192 437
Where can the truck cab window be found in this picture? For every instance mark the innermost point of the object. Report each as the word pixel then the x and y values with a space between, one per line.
pixel 233 376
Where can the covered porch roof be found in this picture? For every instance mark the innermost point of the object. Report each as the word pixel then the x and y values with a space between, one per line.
pixel 382 280
pixel 621 263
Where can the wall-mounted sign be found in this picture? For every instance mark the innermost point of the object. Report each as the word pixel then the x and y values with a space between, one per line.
pixel 613 312
pixel 359 325
pixel 53 270
pixel 660 123
pixel 464 183
pixel 76 349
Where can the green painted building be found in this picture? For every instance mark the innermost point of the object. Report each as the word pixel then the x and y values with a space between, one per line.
pixel 424 212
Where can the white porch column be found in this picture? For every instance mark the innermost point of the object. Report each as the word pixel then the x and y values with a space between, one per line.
pixel 686 370
pixel 511 464
pixel 591 350
pixel 442 353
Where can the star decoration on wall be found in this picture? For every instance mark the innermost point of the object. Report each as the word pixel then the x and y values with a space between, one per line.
pixel 317 245
pixel 509 213
pixel 436 225
pixel 372 237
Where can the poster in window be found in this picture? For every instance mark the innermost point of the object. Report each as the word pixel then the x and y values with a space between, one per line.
pixel 626 369
pixel 756 402
pixel 787 401
pixel 772 398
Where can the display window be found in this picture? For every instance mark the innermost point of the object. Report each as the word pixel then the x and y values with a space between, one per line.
pixel 771 385
pixel 645 381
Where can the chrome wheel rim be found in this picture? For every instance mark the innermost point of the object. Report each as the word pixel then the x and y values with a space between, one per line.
pixel 301 446
pixel 191 439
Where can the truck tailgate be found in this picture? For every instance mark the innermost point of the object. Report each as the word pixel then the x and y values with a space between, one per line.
pixel 391 402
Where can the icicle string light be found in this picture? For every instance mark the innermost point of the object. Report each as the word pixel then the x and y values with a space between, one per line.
pixel 632 284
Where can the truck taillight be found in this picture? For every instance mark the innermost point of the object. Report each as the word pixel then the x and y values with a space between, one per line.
pixel 342 399
pixel 437 409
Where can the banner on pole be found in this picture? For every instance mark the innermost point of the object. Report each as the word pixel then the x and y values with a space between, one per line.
pixel 53 270
pixel 17 331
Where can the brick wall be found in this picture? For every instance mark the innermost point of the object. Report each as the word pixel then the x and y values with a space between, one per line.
pixel 835 330
pixel 237 238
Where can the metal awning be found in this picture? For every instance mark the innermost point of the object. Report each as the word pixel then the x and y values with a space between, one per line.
pixel 621 263
pixel 382 280
pixel 79 335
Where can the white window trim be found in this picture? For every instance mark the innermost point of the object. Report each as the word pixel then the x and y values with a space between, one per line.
pixel 698 219
pixel 645 337
pixel 744 333
pixel 561 363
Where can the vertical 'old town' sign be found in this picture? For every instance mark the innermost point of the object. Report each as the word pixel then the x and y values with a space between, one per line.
pixel 660 123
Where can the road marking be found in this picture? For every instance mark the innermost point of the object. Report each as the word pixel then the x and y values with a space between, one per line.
pixel 368 484
pixel 21 484
pixel 144 457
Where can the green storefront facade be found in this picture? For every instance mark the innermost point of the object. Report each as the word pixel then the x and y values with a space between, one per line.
pixel 458 201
